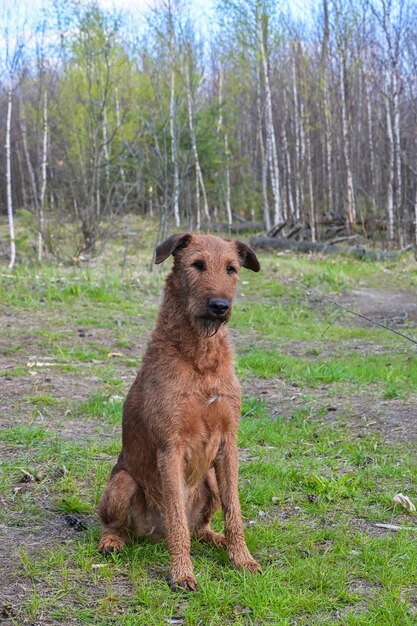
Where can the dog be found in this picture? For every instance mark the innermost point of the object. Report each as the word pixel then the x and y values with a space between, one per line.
pixel 179 458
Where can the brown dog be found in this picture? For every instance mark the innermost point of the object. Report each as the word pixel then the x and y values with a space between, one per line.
pixel 179 457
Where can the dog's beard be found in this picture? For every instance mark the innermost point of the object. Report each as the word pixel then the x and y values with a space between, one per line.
pixel 209 326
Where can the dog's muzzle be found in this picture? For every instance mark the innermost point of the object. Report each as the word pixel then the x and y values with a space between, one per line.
pixel 219 307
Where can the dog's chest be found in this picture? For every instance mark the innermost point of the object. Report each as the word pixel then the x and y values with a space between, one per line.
pixel 199 457
pixel 212 419
pixel 210 412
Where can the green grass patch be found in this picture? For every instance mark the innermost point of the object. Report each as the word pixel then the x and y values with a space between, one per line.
pixel 108 408
pixel 13 372
pixel 42 400
pixel 24 435
pixel 395 373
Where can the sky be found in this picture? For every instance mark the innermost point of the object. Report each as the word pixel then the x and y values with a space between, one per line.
pixel 32 9
pixel 29 13
pixel 201 9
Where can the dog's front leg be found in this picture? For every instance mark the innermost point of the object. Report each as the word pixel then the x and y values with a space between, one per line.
pixel 170 465
pixel 226 466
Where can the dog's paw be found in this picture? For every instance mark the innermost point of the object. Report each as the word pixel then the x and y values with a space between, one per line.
pixel 247 563
pixel 251 565
pixel 183 583
pixel 215 539
pixel 111 543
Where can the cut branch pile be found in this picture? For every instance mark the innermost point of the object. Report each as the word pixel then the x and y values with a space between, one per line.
pixel 281 243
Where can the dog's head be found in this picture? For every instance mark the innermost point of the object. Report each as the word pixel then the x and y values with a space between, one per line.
pixel 205 275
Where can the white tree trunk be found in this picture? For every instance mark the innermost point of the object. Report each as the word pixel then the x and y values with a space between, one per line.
pixel 351 210
pixel 271 146
pixel 26 152
pixel 174 150
pixel 119 126
pixel 228 207
pixel 9 177
pixel 44 166
pixel 327 114
pixel 197 202
pixel 299 146
pixel 312 219
pixel 303 156
pixel 287 157
pixel 371 144
pixel 106 149
pixel 396 88
pixel 264 162
pixel 194 144
pixel 226 153
pixel 328 138
pixel 391 166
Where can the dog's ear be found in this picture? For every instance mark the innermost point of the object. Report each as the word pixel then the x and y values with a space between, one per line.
pixel 171 245
pixel 247 257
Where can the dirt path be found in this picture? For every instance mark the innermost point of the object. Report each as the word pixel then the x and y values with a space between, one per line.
pixel 397 308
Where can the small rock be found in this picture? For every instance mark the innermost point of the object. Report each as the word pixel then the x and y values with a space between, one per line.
pixel 27 477
pixel 115 398
pixel 75 523
pixel 7 611
pixel 61 471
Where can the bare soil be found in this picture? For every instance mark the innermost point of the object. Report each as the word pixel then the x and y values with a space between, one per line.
pixel 398 308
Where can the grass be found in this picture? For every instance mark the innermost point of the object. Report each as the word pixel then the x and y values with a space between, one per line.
pixel 301 488
pixel 393 374
pixel 312 484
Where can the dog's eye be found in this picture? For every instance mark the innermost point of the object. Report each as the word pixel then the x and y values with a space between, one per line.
pixel 230 269
pixel 199 265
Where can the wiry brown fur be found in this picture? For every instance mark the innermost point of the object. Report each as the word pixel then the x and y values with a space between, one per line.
pixel 179 460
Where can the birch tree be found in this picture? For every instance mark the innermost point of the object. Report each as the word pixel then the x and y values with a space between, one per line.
pixel 13 50
pixel 299 142
pixel 34 195
pixel 271 147
pixel 221 129
pixel 44 158
pixel 173 113
pixel 343 26
pixel 325 75
pixel 190 107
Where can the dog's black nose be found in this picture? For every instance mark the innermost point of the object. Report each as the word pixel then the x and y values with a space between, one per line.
pixel 219 307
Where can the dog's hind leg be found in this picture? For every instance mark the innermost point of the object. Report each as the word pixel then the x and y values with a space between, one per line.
pixel 211 505
pixel 115 511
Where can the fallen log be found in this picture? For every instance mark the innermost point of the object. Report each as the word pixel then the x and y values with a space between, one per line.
pixel 276 229
pixel 341 239
pixel 279 243
pixel 294 231
pixel 237 227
